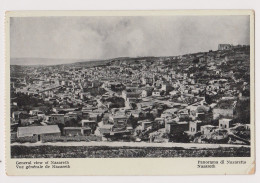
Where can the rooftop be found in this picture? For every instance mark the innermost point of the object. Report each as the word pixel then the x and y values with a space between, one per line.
pixel 37 130
pixel 87 121
pixel 77 128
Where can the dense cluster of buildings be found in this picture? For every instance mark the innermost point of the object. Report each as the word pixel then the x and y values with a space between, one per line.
pixel 189 98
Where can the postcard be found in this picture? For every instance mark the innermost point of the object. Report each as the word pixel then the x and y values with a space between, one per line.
pixel 130 92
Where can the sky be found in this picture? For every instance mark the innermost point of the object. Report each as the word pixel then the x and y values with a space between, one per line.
pixel 109 37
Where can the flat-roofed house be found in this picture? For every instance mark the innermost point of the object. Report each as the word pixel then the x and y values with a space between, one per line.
pixel 160 121
pixel 93 116
pixel 57 118
pixel 85 114
pixel 89 123
pixel 224 109
pixel 131 96
pixel 105 129
pixel 119 119
pixel 28 121
pixel 77 131
pixel 34 112
pixel 166 87
pixel 194 126
pixel 174 92
pixel 19 114
pixel 206 129
pixel 146 92
pixel 147 80
pixel 225 123
pixel 176 127
pixel 71 115
pixel 224 46
pixel 218 113
pixel 156 93
pixel 39 131
pixel 145 124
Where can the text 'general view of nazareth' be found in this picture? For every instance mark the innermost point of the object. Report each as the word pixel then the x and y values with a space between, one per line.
pixel 107 87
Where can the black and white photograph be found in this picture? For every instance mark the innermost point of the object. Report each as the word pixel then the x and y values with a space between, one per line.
pixel 130 86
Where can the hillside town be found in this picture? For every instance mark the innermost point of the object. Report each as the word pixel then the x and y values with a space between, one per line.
pixel 194 98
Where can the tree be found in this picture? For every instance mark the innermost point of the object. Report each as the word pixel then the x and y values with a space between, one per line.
pixel 132 121
pixel 141 116
pixel 163 92
pixel 208 99
pixel 242 111
pixel 62 112
pixel 71 123
pixel 150 116
pixel 19 122
pixel 61 127
pixel 133 105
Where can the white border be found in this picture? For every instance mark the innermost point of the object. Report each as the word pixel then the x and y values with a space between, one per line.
pixel 123 5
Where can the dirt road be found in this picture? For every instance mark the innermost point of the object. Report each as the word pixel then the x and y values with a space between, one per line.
pixel 132 144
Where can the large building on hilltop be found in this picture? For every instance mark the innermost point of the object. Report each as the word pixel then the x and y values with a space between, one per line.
pixel 225 46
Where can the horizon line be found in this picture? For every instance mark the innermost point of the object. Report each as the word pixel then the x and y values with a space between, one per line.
pixel 76 60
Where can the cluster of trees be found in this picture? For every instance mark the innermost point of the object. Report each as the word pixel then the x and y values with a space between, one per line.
pixel 133 121
pixel 242 111
pixel 116 102
pixel 118 87
pixel 24 100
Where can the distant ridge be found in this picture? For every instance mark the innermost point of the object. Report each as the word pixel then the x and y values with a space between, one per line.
pixel 44 61
pixel 52 61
